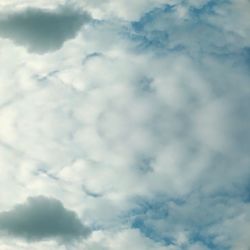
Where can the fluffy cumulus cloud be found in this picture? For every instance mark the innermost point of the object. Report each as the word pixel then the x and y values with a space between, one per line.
pixel 40 218
pixel 131 114
pixel 42 30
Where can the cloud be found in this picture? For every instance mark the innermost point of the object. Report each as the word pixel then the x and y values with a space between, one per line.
pixel 42 30
pixel 122 9
pixel 124 239
pixel 42 218
pixel 140 125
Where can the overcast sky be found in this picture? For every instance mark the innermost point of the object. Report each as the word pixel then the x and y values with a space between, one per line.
pixel 124 124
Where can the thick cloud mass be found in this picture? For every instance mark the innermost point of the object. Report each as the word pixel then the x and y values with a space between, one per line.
pixel 140 124
pixel 41 218
pixel 40 30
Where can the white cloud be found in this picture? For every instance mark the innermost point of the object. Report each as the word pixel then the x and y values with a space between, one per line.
pixel 128 10
pixel 127 238
pixel 101 123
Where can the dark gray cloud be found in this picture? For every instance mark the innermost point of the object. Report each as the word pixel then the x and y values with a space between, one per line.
pixel 41 218
pixel 42 30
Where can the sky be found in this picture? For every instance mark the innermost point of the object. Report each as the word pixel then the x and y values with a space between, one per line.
pixel 125 124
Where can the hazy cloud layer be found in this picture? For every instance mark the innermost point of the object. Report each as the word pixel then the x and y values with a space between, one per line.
pixel 42 218
pixel 42 30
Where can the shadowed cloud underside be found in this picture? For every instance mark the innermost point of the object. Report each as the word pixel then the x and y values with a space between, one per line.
pixel 41 218
pixel 40 30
